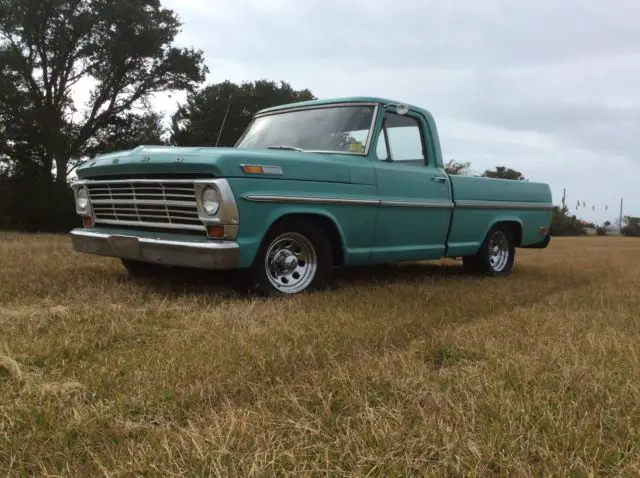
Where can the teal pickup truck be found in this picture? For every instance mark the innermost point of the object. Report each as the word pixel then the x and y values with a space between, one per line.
pixel 308 186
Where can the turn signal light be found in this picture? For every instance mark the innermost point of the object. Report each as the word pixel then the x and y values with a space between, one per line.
pixel 86 221
pixel 215 232
pixel 252 169
pixel 543 231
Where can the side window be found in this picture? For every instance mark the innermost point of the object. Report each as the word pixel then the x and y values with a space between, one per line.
pixel 404 140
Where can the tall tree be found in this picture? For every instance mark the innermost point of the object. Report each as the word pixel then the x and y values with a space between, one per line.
pixel 502 172
pixel 122 48
pixel 200 120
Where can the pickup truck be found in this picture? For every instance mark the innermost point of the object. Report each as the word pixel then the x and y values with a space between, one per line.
pixel 308 186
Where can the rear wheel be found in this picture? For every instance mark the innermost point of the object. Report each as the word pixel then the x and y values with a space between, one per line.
pixel 496 255
pixel 294 257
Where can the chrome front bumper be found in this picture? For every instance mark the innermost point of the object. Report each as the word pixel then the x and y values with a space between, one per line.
pixel 203 255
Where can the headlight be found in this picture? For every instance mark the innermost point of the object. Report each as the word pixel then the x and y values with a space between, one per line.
pixel 82 199
pixel 210 201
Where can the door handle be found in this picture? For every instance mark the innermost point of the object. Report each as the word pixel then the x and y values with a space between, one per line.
pixel 438 179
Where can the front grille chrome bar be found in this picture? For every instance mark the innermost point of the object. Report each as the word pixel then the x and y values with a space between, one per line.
pixel 162 203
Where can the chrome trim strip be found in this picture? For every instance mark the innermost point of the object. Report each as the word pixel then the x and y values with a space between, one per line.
pixel 320 151
pixel 204 255
pixel 472 204
pixel 466 204
pixel 137 181
pixel 144 202
pixel 227 215
pixel 159 225
pixel 275 170
pixel 310 200
pixel 422 204
pixel 347 201
pixel 374 120
pixel 75 187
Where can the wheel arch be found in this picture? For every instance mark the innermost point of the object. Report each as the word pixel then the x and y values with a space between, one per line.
pixel 322 219
pixel 514 223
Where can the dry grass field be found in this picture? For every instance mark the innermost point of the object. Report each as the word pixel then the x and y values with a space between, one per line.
pixel 400 371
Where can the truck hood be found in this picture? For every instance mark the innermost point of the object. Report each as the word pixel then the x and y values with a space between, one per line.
pixel 226 162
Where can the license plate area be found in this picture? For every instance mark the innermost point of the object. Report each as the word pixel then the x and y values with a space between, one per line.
pixel 125 246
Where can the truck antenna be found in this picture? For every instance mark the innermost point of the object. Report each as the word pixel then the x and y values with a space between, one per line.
pixel 223 121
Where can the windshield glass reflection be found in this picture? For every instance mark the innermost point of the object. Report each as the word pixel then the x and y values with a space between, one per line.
pixel 340 129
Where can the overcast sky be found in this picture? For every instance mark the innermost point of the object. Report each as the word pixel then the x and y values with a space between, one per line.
pixel 550 88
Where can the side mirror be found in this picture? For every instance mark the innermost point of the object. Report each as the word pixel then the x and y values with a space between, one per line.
pixel 402 109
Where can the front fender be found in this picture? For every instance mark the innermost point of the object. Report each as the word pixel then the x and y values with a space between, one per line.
pixel 354 219
pixel 250 243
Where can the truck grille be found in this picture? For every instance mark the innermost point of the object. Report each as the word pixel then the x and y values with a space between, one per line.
pixel 167 204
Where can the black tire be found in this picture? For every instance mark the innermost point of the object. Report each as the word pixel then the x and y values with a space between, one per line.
pixel 303 239
pixel 471 263
pixel 488 260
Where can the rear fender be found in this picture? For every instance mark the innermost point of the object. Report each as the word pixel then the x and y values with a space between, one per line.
pixel 509 219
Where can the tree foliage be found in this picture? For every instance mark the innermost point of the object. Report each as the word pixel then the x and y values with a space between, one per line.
pixel 564 225
pixel 127 132
pixel 200 120
pixel 502 172
pixel 124 48
pixel 458 168
pixel 631 226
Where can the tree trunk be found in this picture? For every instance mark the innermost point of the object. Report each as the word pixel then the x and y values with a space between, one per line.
pixel 61 168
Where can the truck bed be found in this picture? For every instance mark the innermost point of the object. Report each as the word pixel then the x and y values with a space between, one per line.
pixel 481 202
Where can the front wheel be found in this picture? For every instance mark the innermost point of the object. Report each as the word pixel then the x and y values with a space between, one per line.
pixel 496 255
pixel 294 257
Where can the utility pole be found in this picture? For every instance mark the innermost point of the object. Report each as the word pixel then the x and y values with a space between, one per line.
pixel 621 212
pixel 564 193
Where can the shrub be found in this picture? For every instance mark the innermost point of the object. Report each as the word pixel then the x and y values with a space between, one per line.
pixel 632 227
pixel 33 203
pixel 565 225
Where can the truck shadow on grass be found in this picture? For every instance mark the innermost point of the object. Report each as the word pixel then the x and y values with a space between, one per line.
pixel 181 281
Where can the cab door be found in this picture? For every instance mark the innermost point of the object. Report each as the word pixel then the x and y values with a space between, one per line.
pixel 414 192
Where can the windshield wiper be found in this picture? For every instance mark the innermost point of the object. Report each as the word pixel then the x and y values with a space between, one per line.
pixel 283 146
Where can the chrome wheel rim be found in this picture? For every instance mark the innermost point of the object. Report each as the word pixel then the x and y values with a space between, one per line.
pixel 498 251
pixel 290 262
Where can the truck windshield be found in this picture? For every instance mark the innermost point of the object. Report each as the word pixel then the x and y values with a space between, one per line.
pixel 337 129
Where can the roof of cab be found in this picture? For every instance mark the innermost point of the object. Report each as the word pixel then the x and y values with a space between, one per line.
pixel 350 99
